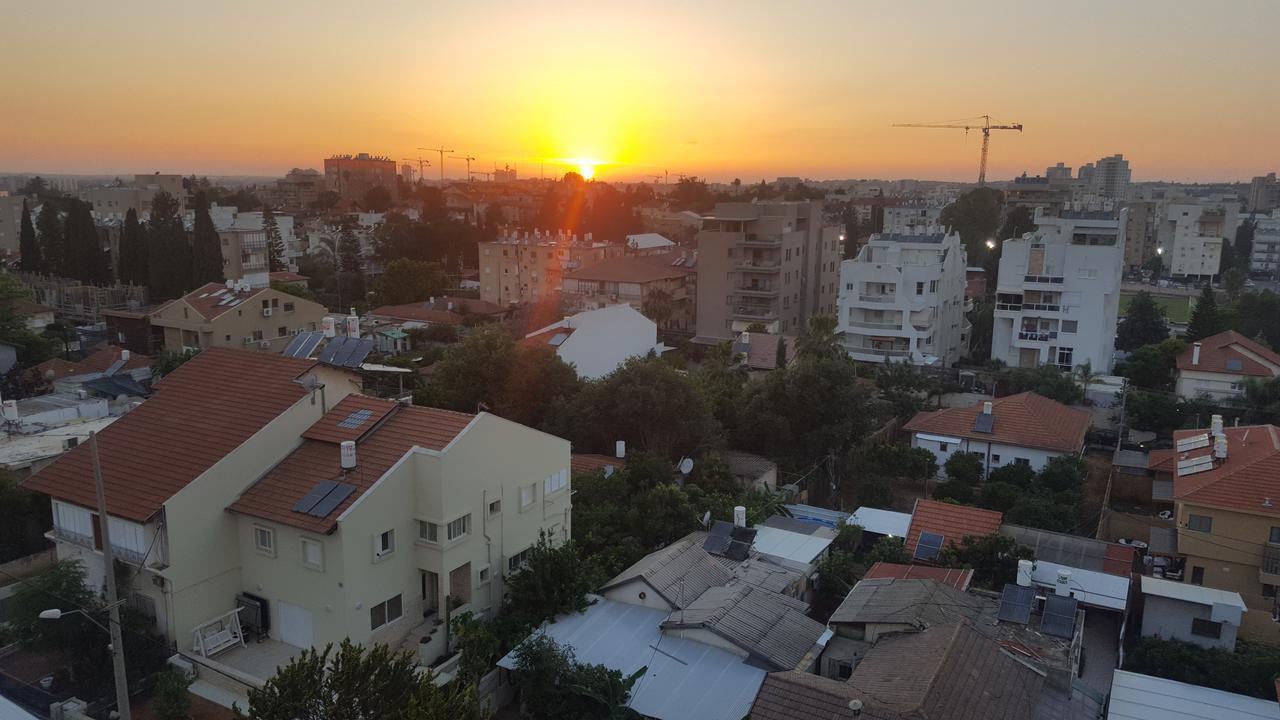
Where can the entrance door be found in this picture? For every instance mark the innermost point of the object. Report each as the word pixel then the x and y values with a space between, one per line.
pixel 295 624
pixel 430 591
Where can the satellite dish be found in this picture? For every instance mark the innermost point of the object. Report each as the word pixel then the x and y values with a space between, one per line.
pixel 706 518
pixel 686 466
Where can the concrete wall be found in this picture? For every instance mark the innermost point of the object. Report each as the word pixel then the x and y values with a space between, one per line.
pixel 1230 556
pixel 231 327
pixel 1171 619
pixel 994 455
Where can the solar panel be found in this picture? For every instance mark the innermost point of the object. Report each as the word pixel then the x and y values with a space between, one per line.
pixel 331 349
pixel 928 547
pixel 356 419
pixel 115 367
pixel 309 346
pixel 1015 603
pixel 558 339
pixel 317 494
pixel 983 423
pixel 1235 365
pixel 340 492
pixel 721 528
pixel 294 347
pixel 344 352
pixel 1193 442
pixel 1059 617
pixel 358 355
pixel 716 544
pixel 737 551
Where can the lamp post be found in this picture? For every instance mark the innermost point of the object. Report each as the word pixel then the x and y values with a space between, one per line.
pixel 123 711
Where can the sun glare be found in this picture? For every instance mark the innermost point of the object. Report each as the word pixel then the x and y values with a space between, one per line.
pixel 586 170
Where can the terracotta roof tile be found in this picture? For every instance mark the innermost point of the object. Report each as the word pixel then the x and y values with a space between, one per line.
pixel 585 463
pixel 94 363
pixel 1249 478
pixel 952 522
pixel 958 579
pixel 633 269
pixel 1025 420
pixel 207 300
pixel 197 414
pixel 350 419
pixel 273 496
pixel 1217 350
pixel 792 695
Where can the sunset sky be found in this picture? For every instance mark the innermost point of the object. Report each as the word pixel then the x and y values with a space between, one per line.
pixel 739 88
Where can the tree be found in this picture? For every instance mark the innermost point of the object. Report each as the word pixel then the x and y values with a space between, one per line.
pixel 32 348
pixel 24 516
pixel 1152 366
pixel 1155 266
pixel 1018 222
pixel 553 685
pixel 1046 380
pixel 168 361
pixel 131 265
pixel 349 255
pixel 892 550
pixel 1143 323
pixel 555 580
pixel 377 199
pixel 1064 474
pixel 1233 280
pixel 85 259
pixel 473 372
pixel 536 380
pixel 1243 243
pixel 1087 377
pixel 206 247
pixel 172 701
pixel 1015 474
pixel 1260 400
pixel 275 244
pixel 359 683
pixel 168 250
pixel 780 356
pixel 690 193
pixel 28 246
pixel 658 306
pixel 819 340
pixel 902 384
pixel 964 467
pixel 976 216
pixel 993 559
pixel 406 281
pixel 52 251
pixel 1205 318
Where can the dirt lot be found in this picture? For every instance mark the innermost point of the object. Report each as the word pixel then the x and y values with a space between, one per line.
pixel 201 709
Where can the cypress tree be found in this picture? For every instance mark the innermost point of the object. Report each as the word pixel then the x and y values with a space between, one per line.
pixel 206 248
pixel 132 263
pixel 275 244
pixel 1205 319
pixel 349 260
pixel 28 246
pixel 49 225
pixel 168 250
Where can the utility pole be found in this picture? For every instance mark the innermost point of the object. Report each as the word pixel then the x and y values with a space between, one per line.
pixel 442 151
pixel 108 559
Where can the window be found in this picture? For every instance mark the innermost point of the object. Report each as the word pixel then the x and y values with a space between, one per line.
pixel 384 612
pixel 228 338
pixel 428 531
pixel 995 459
pixel 1206 628
pixel 385 545
pixel 288 307
pixel 919 288
pixel 942 447
pixel 1069 326
pixel 527 494
pixel 186 315
pixel 1200 523
pixel 1275 536
pixel 1064 357
pixel 556 482
pixel 275 302
pixel 933 286
pixel 312 554
pixel 844 670
pixel 257 334
pixel 265 304
pixel 1022 461
pixel 264 539
pixel 282 331
pixel 459 527
pixel 1197 575
pixel 483 575
pixel 1268 591
pixel 1088 273
pixel 495 507
pixel 517 561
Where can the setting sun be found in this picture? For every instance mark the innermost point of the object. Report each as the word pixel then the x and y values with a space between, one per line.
pixel 586 170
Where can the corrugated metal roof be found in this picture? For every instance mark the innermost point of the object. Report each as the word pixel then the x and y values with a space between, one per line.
pixel 789 545
pixel 1143 697
pixel 769 626
pixel 906 602
pixel 1191 593
pixel 685 679
pixel 881 522
pixel 822 516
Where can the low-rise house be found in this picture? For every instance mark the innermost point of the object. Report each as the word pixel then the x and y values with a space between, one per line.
pixel 752 471
pixel 758 352
pixel 23 455
pixel 1023 429
pixel 648 244
pixel 793 540
pixel 106 361
pixel 1219 366
pixel 235 315
pixel 597 342
pixel 1135 696
pixel 770 628
pixel 936 525
pixel 791 695
pixel 1180 611
pixel 443 310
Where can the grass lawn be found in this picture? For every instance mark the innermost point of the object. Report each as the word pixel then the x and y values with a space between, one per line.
pixel 1176 309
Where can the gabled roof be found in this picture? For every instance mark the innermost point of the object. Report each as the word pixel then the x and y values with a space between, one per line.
pixel 1024 420
pixel 1216 351
pixel 585 463
pixel 381 440
pixel 680 572
pixel 98 362
pixel 958 579
pixel 919 603
pixel 952 522
pixel 767 625
pixel 197 415
pixel 1073 550
pixel 1248 479
pixel 792 695
pixel 1187 592
pixel 214 299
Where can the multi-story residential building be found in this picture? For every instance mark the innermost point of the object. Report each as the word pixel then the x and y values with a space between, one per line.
pixel 903 298
pixel 1226 489
pixel 632 279
pixel 351 176
pixel 11 220
pixel 244 253
pixel 329 515
pixel 528 267
pixel 1264 194
pixel 1219 366
pixel 1266 244
pixel 113 203
pixel 234 315
pixel 1110 177
pixel 254 258
pixel 772 263
pixel 1059 174
pixel 1191 234
pixel 1140 234
pixel 1058 296
pixel 299 189
pixel 912 219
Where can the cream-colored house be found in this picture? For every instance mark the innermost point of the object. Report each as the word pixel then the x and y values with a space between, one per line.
pixel 1219 366
pixel 237 316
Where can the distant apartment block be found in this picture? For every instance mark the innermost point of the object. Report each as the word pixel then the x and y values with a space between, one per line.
pixel 903 298
pixel 1108 177
pixel 912 219
pixel 1266 244
pixel 1191 234
pixel 1140 234
pixel 772 263
pixel 633 279
pixel 529 267
pixel 114 203
pixel 299 189
pixel 11 220
pixel 351 176
pixel 1058 295
pixel 244 253
pixel 1264 194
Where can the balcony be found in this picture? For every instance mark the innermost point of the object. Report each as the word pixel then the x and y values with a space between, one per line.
pixel 755 312
pixel 754 240
pixel 893 326
pixel 1043 279
pixel 1269 569
pixel 885 298
pixel 756 266
pixel 755 290
pixel 1038 336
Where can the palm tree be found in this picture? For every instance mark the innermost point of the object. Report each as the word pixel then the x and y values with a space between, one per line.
pixel 819 339
pixel 1086 375
pixel 658 306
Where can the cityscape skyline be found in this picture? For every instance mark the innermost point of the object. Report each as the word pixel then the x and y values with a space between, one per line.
pixel 687 91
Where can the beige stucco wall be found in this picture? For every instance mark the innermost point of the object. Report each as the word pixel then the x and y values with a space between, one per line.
pixel 1230 556
pixel 240 322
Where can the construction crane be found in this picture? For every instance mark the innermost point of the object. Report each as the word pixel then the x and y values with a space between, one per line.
pixel 421 164
pixel 442 151
pixel 971 124
pixel 468 158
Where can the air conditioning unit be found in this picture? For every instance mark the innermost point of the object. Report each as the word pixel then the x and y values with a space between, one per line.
pixel 265 344
pixel 266 312
pixel 248 340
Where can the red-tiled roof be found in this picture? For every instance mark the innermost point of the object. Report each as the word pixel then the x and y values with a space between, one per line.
pixel 1025 420
pixel 94 363
pixel 584 463
pixel 275 494
pixel 1248 479
pixel 1162 460
pixel 198 414
pixel 638 269
pixel 952 522
pixel 350 419
pixel 1216 350
pixel 958 579
pixel 207 300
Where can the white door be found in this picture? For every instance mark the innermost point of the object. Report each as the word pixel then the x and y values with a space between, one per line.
pixel 294 623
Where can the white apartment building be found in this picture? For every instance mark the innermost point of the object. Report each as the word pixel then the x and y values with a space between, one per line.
pixel 1058 296
pixel 902 298
pixel 1191 234
pixel 1110 177
pixel 1266 244
pixel 912 219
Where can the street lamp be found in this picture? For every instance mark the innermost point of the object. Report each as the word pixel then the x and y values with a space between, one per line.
pixel 991 244
pixel 123 711
pixel 1159 251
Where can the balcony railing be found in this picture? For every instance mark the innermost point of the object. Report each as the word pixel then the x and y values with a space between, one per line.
pixel 766 241
pixel 755 289
pixel 755 313
pixel 879 352
pixel 875 325
pixel 1038 336
pixel 1045 279
pixel 881 298
pixel 1270 560
pixel 751 266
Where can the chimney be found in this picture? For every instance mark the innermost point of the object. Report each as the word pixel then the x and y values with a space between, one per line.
pixel 986 408
pixel 348 452
pixel 1195 353
pixel 739 516
pixel 620 449
pixel 1063 585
